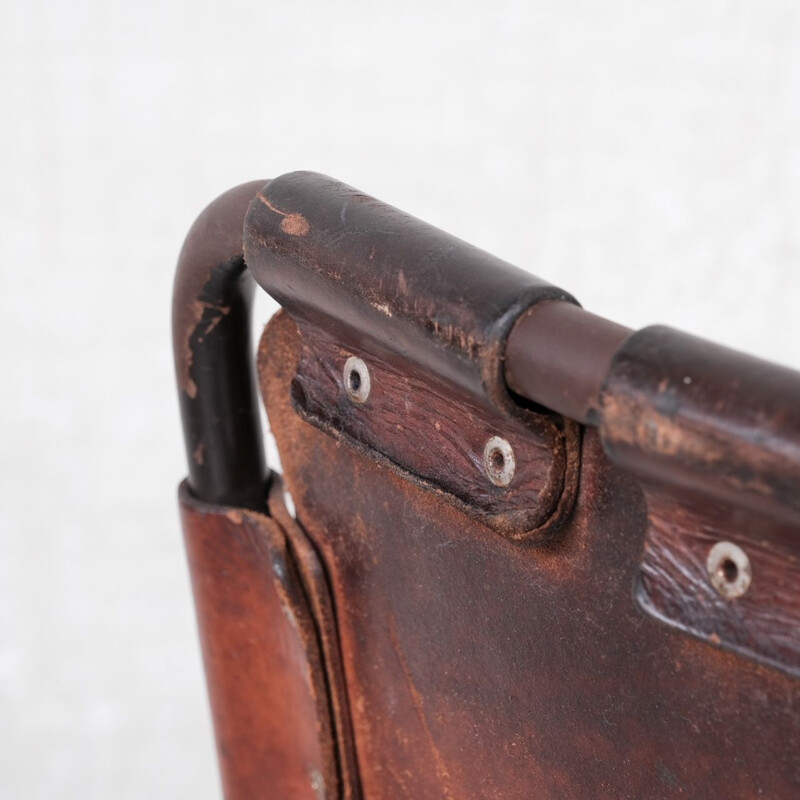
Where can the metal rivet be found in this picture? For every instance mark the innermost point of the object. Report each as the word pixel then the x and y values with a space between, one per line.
pixel 356 380
pixel 498 461
pixel 729 569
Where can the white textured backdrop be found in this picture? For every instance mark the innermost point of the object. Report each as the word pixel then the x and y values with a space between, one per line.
pixel 645 156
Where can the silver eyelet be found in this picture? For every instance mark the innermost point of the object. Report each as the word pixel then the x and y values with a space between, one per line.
pixel 498 461
pixel 356 380
pixel 729 569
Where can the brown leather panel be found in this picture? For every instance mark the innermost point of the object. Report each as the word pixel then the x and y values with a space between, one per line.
pixel 436 432
pixel 477 668
pixel 267 689
pixel 315 583
pixel 764 621
pixel 713 436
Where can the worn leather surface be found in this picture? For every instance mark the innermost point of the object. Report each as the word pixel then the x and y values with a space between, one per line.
pixel 479 668
pixel 713 438
pixel 261 652
pixel 374 281
pixel 437 434
pixel 336 257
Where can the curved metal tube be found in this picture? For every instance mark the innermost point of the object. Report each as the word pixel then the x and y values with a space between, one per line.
pixel 211 310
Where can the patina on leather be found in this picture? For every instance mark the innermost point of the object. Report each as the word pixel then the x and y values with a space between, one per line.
pixel 561 635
